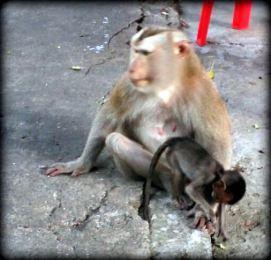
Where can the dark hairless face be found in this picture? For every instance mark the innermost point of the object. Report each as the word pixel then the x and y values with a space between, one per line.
pixel 220 193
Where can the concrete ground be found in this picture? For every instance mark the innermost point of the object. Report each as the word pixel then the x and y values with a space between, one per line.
pixel 49 107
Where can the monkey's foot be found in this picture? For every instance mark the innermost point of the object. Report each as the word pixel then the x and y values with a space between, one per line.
pixel 179 204
pixel 222 234
pixel 199 222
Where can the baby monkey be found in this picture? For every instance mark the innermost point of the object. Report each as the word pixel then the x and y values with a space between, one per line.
pixel 210 186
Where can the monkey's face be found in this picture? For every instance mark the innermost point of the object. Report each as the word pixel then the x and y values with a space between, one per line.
pixel 154 62
pixel 152 70
pixel 220 194
pixel 140 69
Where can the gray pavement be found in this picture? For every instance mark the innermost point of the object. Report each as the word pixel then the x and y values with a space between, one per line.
pixel 48 110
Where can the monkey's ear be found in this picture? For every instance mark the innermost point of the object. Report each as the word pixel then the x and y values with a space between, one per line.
pixel 181 48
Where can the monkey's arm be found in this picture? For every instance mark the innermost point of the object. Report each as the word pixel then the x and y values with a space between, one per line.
pixel 221 215
pixel 196 195
pixel 103 124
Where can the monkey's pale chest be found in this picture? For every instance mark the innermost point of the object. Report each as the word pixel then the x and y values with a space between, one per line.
pixel 154 130
pixel 164 129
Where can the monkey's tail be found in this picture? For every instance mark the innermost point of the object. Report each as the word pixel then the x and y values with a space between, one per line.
pixel 154 161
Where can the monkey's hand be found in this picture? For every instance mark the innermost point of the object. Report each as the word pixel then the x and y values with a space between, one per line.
pixel 198 212
pixel 201 221
pixel 212 216
pixel 75 167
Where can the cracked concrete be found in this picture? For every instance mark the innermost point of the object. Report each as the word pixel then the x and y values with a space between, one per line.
pixel 48 109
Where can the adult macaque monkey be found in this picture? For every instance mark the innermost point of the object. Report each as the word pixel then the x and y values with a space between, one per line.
pixel 165 92
pixel 210 186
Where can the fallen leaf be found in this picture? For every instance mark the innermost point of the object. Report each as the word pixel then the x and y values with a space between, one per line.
pixel 249 224
pixel 221 246
pixel 77 68
pixel 211 72
pixel 256 126
pixel 252 83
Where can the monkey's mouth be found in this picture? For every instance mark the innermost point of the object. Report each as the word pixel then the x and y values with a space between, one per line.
pixel 140 82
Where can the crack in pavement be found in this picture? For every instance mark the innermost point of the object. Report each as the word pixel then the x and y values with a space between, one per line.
pixel 57 196
pixel 225 43
pixel 233 44
pixel 176 5
pixel 99 63
pixel 75 251
pixel 148 220
pixel 81 224
pixel 138 20
pixel 55 208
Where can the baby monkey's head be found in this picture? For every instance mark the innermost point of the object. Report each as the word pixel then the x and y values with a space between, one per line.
pixel 230 188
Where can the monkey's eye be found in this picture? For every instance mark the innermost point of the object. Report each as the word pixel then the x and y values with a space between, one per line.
pixel 143 52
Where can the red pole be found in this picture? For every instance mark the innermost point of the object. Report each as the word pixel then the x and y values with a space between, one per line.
pixel 241 14
pixel 205 17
